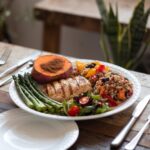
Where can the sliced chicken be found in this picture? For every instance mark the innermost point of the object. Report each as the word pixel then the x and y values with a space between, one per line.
pixel 66 88
pixel 58 90
pixel 83 83
pixel 50 90
pixel 74 87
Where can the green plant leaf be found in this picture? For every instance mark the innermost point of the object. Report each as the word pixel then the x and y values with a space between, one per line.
pixel 124 46
pixel 102 10
pixel 104 45
pixel 139 35
pixel 133 63
pixel 133 35
pixel 127 40
pixel 143 49
pixel 138 12
pixel 112 29
pixel 137 27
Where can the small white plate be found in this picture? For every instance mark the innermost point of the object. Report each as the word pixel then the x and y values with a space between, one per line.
pixel 23 131
pixel 136 92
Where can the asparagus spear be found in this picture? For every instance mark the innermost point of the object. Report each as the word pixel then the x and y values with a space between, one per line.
pixel 38 106
pixel 50 108
pixel 35 85
pixel 40 97
pixel 38 103
pixel 22 95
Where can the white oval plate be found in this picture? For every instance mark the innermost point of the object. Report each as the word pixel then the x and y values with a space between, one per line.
pixel 136 92
pixel 23 131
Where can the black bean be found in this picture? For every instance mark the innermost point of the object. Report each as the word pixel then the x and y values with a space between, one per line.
pixel 92 65
pixel 105 79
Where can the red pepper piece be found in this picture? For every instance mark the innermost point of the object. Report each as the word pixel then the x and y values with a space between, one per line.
pixel 104 95
pixel 101 68
pixel 111 101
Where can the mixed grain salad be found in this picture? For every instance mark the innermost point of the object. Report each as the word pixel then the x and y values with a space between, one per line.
pixel 54 86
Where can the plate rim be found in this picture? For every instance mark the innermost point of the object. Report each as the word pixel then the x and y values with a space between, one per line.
pixel 129 102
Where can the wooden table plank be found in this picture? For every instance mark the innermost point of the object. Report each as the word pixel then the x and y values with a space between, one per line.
pixel 91 141
pixel 97 133
pixel 5 98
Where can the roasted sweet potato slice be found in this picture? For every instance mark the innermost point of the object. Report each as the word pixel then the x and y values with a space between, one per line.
pixel 48 68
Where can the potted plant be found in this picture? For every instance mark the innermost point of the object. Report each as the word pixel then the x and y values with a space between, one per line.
pixel 124 45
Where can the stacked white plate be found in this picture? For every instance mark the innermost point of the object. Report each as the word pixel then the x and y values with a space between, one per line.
pixel 20 130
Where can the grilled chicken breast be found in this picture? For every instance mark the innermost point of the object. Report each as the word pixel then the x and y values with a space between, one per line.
pixel 68 88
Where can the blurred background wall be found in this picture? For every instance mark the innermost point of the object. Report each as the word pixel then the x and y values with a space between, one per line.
pixel 28 32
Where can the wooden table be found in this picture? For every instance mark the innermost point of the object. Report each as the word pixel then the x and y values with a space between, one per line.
pixel 81 14
pixel 95 134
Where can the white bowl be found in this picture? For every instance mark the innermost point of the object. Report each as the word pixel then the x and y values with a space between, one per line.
pixel 136 92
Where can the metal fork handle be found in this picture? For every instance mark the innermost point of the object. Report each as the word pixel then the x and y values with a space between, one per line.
pixel 132 144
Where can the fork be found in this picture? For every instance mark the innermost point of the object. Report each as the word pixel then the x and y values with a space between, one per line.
pixel 5 56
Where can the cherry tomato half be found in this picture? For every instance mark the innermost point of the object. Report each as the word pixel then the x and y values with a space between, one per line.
pixel 84 101
pixel 74 110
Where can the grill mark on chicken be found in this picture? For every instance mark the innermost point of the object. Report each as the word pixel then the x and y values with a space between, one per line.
pixel 66 88
pixel 50 90
pixel 58 90
pixel 69 87
pixel 80 82
pixel 83 83
pixel 88 84
pixel 74 86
